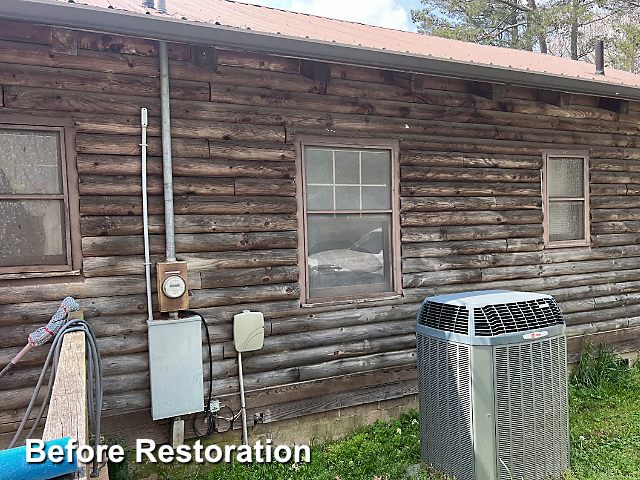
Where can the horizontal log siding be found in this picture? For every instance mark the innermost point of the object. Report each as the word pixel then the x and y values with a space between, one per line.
pixel 470 213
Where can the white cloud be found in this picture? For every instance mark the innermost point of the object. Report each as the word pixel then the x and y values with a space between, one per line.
pixel 384 13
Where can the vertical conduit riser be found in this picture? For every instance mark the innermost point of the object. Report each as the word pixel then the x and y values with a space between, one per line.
pixel 167 170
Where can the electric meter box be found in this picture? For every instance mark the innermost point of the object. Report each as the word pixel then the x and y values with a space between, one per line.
pixel 248 331
pixel 173 291
pixel 175 367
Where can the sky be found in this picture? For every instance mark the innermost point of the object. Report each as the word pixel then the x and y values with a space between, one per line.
pixel 384 13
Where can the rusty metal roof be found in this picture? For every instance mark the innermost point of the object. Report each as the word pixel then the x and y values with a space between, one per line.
pixel 272 20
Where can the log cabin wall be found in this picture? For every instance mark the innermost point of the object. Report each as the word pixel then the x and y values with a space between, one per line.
pixel 471 217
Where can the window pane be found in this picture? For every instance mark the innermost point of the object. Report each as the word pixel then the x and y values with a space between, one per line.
pixel 319 197
pixel 30 162
pixel 566 221
pixel 348 251
pixel 318 165
pixel 348 166
pixel 376 167
pixel 376 198
pixel 566 177
pixel 348 198
pixel 33 233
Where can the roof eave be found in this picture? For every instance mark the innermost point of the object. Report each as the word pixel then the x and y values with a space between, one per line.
pixel 72 15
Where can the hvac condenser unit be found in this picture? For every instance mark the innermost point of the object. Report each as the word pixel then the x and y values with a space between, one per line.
pixel 493 386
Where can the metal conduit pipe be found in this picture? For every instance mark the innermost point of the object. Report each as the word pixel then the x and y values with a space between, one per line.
pixel 167 170
pixel 145 210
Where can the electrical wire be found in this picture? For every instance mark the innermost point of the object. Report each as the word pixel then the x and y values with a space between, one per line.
pixel 94 390
pixel 207 414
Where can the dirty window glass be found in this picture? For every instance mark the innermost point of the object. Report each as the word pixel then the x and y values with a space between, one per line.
pixel 348 221
pixel 33 208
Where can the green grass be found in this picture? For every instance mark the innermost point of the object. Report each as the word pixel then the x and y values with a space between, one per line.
pixel 604 433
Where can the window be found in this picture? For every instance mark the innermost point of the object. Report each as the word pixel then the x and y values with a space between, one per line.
pixel 37 167
pixel 349 223
pixel 566 199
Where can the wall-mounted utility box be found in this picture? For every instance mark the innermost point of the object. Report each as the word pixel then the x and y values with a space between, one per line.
pixel 173 291
pixel 248 331
pixel 175 365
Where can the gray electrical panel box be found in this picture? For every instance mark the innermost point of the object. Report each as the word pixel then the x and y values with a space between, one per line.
pixel 175 365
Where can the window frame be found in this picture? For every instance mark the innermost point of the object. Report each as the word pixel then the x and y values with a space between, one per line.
pixel 70 195
pixel 393 146
pixel 581 154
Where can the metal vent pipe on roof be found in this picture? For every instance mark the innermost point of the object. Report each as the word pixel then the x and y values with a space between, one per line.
pixel 599 57
pixel 162 6
pixel 148 4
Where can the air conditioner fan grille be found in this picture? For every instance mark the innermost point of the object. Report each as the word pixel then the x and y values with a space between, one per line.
pixel 492 320
pixel 442 316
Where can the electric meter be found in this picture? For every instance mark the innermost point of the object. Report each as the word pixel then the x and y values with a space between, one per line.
pixel 174 286
pixel 173 294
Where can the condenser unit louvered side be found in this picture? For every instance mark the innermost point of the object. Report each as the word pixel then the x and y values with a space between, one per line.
pixel 493 386
pixel 446 406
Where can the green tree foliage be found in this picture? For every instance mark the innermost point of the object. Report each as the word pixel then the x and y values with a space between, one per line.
pixel 567 28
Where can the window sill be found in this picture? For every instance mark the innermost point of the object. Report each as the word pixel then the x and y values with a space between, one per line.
pixel 368 299
pixel 568 246
pixel 30 275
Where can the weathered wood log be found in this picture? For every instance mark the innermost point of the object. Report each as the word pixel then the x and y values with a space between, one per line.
pixel 249 276
pixel 416 280
pixel 434 204
pixel 134 265
pixel 122 145
pixel 204 242
pixel 454 159
pixel 187 205
pixel 130 165
pixel 623 340
pixel 308 322
pixel 444 233
pixel 300 341
pixel 234 295
pixel 313 355
pixel 103 42
pixel 615 214
pixel 125 185
pixel 258 61
pixel 438 188
pixel 255 186
pixel 301 390
pixel 565 268
pixel 41 312
pixel 25 32
pixel 454 262
pixel 539 284
pixel 612 165
pixel 515 217
pixel 525 244
pixel 631 226
pixel 607 189
pixel 615 177
pixel 425 174
pixel 68 81
pixel 254 381
pixel 125 225
pixel 359 364
pixel 615 239
pixel 181 128
pixel 404 108
pixel 626 201
pixel 436 249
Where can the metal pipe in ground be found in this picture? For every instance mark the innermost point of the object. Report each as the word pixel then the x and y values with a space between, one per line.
pixel 242 404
